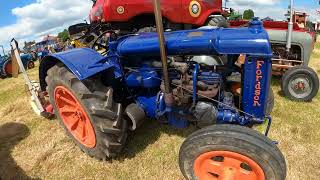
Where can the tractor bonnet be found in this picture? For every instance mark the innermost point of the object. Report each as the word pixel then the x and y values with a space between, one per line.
pixel 253 40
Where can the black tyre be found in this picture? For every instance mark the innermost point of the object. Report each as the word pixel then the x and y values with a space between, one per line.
pixel 233 151
pixel 300 83
pixel 270 102
pixel 218 21
pixel 7 68
pixel 88 105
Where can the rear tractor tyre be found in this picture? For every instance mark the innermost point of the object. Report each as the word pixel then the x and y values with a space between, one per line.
pixel 300 83
pixel 87 112
pixel 218 21
pixel 230 152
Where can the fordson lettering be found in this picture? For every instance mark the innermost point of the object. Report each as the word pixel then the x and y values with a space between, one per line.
pixel 257 92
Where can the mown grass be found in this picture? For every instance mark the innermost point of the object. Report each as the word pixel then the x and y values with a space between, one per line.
pixel 152 151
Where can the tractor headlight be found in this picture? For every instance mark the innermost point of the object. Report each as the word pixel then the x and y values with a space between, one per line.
pixel 195 9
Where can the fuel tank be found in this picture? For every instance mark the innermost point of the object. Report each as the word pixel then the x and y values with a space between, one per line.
pixel 251 40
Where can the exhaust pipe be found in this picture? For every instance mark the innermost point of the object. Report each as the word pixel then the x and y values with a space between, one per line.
pixel 158 17
pixel 290 27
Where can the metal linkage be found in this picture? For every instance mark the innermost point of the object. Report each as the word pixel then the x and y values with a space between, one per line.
pixel 26 77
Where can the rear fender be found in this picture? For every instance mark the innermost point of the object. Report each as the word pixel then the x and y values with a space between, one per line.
pixel 82 62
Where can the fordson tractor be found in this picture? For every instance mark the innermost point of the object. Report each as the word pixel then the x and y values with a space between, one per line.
pixel 99 99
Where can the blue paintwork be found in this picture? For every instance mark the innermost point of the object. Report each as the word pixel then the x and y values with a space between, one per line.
pixel 2 61
pixel 253 84
pixel 195 82
pixel 146 77
pixel 26 57
pixel 210 78
pixel 83 62
pixel 149 105
pixel 199 42
pixel 175 119
pixel 43 54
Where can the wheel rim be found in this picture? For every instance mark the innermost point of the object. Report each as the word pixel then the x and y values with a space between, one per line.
pixel 30 65
pixel 8 68
pixel 300 86
pixel 226 165
pixel 74 117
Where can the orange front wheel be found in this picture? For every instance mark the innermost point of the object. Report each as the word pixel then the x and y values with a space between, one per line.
pixel 226 165
pixel 230 152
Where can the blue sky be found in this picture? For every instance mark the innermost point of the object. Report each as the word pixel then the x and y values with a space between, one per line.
pixel 32 19
pixel 5 10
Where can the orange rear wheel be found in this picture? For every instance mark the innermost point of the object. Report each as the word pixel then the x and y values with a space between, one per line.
pixel 87 112
pixel 74 117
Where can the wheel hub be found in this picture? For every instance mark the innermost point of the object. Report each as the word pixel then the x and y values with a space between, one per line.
pixel 300 87
pixel 74 117
pixel 227 165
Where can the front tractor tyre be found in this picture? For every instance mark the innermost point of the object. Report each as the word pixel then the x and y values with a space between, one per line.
pixel 230 152
pixel 300 83
pixel 87 112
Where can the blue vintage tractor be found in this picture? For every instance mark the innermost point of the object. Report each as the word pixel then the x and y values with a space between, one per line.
pixel 201 81
pixel 6 64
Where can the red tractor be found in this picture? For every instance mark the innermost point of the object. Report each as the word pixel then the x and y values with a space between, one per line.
pixel 137 16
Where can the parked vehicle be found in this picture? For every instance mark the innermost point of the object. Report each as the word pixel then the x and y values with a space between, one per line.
pixel 299 82
pixel 137 16
pixel 98 99
pixel 6 64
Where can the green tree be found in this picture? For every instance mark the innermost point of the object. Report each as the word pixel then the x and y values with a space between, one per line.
pixel 248 14
pixel 310 26
pixel 64 35
pixel 235 16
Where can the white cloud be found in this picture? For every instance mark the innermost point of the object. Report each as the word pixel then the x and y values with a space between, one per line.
pixel 254 2
pixel 44 17
pixel 262 8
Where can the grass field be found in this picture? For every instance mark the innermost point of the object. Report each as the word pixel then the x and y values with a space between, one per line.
pixel 32 147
